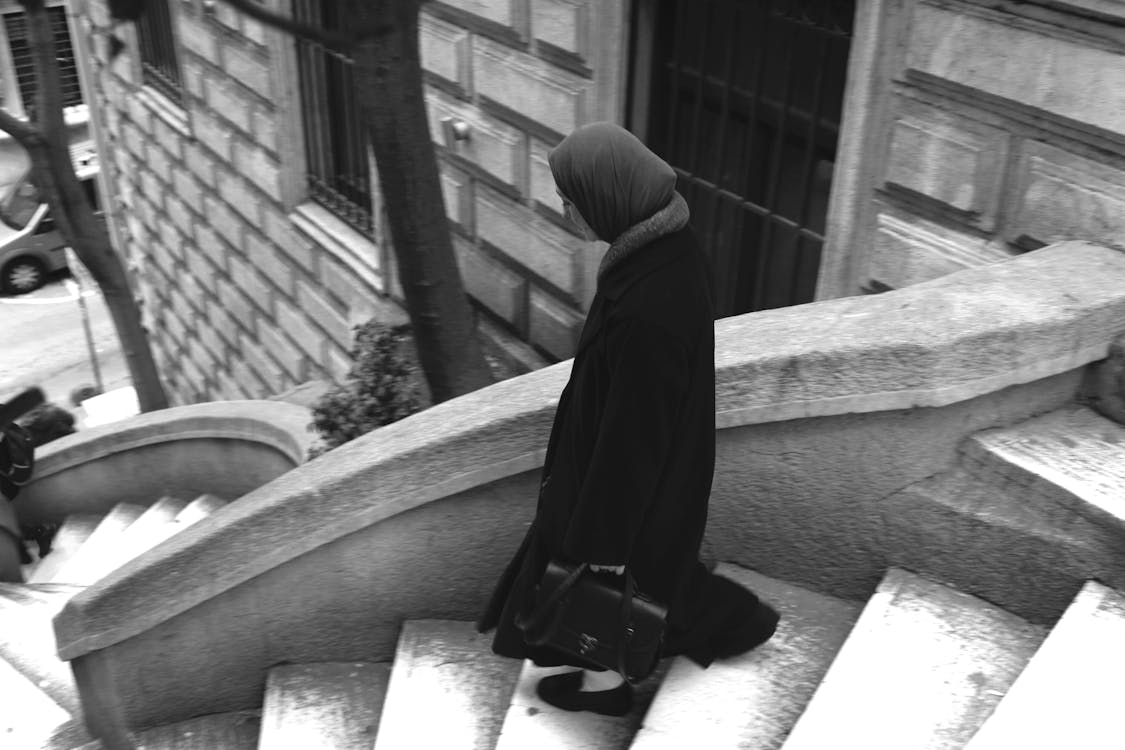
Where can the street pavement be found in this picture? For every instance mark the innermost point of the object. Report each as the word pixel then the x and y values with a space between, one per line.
pixel 42 343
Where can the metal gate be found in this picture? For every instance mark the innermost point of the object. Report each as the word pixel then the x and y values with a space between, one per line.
pixel 745 103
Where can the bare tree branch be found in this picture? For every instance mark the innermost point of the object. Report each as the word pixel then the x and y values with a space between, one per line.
pixel 338 40
pixel 26 135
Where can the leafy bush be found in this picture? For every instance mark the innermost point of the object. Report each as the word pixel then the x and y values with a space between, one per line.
pixel 380 388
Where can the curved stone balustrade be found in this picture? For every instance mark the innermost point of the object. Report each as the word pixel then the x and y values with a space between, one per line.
pixel 825 410
pixel 224 448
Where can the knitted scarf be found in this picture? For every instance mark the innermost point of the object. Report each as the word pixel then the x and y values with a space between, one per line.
pixel 672 218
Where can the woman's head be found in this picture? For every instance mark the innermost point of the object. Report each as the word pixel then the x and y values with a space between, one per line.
pixel 610 178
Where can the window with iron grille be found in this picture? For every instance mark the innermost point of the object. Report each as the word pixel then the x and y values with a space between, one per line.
pixel 159 67
pixel 16 25
pixel 336 145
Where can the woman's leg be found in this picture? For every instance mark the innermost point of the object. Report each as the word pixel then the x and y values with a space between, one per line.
pixel 594 682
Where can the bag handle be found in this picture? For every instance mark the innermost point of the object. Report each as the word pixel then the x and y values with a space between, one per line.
pixel 626 630
pixel 537 618
pixel 544 611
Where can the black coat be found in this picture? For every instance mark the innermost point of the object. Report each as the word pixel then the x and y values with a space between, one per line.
pixel 629 464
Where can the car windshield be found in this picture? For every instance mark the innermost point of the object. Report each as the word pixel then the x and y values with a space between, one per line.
pixel 17 208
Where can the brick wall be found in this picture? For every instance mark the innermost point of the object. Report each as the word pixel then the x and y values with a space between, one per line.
pixel 245 292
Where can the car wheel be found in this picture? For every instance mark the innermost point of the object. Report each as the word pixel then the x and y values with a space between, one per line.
pixel 22 275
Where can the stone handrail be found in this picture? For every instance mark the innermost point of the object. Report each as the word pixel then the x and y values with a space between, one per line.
pixel 277 424
pixel 90 470
pixel 950 340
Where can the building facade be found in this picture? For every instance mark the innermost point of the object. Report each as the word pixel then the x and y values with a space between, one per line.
pixel 826 147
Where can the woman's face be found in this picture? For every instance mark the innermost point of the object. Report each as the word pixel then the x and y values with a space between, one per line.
pixel 574 217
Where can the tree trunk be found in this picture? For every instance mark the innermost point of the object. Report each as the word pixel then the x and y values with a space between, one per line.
pixel 392 98
pixel 59 187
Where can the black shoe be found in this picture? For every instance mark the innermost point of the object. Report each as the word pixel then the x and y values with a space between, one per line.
pixel 564 691
pixel 760 628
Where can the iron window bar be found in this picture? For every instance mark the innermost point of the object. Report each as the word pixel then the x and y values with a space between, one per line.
pixel 16 25
pixel 336 142
pixel 160 67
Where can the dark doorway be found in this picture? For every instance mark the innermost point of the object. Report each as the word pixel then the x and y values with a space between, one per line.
pixel 744 100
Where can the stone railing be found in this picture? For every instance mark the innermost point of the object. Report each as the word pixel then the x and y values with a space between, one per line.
pixel 824 410
pixel 224 448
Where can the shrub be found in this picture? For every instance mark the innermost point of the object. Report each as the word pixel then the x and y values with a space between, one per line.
pixel 380 387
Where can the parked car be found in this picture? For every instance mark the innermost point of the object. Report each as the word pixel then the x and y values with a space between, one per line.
pixel 31 246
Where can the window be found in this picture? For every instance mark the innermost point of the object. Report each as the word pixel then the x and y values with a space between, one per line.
pixel 159 67
pixel 339 177
pixel 16 25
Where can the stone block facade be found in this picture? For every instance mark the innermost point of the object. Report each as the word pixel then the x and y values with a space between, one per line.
pixel 248 286
pixel 998 130
pixel 971 133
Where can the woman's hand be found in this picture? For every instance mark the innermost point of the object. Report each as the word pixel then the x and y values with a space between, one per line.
pixel 615 569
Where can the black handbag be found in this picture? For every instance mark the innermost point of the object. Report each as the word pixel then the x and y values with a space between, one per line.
pixel 586 615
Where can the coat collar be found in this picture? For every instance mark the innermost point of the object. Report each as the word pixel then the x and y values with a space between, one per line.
pixel 630 270
pixel 623 275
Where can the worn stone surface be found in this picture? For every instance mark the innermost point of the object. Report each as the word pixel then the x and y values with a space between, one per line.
pixel 1069 693
pixel 985 539
pixel 949 158
pixel 1060 195
pixel 28 716
pixel 1071 458
pixel 157 523
pixel 752 700
pixel 524 84
pixel 100 545
pixel 1048 71
pixel 923 668
pixel 447 689
pixel 531 723
pixel 27 643
pixel 972 332
pixel 326 706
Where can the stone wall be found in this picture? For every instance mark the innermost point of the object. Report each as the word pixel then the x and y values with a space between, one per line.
pixel 990 131
pixel 248 286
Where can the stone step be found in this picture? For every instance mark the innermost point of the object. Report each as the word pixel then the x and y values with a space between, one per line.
pixel 958 528
pixel 157 523
pixel 27 639
pixel 200 508
pixel 752 700
pixel 73 533
pixel 102 543
pixel 447 689
pixel 531 723
pixel 329 706
pixel 922 669
pixel 237 730
pixel 1070 461
pixel 28 716
pixel 1069 693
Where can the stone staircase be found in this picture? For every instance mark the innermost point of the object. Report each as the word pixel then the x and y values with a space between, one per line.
pixel 47 709
pixel 918 665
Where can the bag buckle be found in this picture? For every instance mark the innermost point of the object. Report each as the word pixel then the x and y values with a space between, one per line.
pixel 586 643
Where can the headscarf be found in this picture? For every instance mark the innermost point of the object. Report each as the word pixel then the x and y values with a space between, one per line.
pixel 612 178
